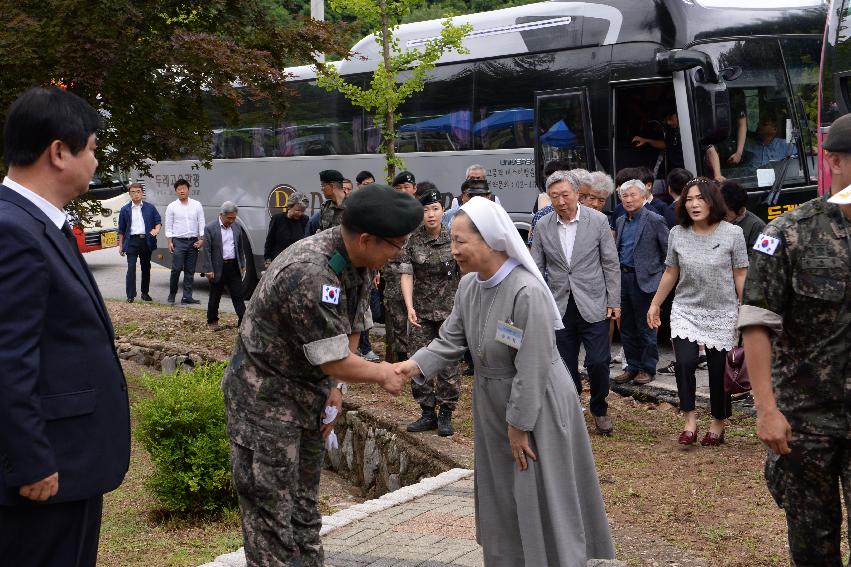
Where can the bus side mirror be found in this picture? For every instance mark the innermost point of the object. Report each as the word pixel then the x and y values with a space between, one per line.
pixel 668 62
pixel 712 110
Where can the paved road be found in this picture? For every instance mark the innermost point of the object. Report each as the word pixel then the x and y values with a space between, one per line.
pixel 110 269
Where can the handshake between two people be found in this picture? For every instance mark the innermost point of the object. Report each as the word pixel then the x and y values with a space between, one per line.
pixel 395 376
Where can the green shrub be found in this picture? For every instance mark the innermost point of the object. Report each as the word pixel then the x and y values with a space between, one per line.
pixel 182 425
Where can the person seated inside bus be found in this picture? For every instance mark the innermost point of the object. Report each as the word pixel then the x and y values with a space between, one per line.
pixel 672 145
pixel 767 147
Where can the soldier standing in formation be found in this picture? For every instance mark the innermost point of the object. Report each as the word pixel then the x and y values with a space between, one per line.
pixel 395 313
pixel 797 297
pixel 294 350
pixel 429 280
pixel 331 211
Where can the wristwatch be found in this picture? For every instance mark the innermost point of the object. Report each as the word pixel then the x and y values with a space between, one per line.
pixel 343 387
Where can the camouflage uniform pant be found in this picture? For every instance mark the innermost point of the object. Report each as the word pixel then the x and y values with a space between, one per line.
pixel 445 387
pixel 806 483
pixel 395 325
pixel 278 500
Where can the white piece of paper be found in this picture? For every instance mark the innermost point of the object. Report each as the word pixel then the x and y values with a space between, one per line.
pixel 765 177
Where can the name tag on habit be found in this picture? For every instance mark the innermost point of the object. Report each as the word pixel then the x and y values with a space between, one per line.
pixel 508 334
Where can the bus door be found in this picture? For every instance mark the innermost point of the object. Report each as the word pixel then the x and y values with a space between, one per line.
pixel 640 126
pixel 563 130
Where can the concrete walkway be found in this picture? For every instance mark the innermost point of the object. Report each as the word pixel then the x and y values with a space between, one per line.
pixel 428 524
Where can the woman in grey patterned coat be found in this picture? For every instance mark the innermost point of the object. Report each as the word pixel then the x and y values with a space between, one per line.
pixel 538 500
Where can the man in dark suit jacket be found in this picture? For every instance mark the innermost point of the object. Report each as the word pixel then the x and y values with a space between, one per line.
pixel 642 240
pixel 64 416
pixel 223 264
pixel 139 224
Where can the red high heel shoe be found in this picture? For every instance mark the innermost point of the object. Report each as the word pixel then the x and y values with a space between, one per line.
pixel 687 437
pixel 712 439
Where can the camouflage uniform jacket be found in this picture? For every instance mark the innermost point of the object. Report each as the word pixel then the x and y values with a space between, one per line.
pixel 801 291
pixel 301 315
pixel 391 275
pixel 436 274
pixel 330 215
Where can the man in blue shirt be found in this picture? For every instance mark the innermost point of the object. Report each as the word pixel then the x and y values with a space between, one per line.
pixel 768 147
pixel 139 224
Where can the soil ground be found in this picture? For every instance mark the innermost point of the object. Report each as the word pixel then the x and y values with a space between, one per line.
pixel 669 505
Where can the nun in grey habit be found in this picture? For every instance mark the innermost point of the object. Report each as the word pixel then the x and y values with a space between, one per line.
pixel 538 500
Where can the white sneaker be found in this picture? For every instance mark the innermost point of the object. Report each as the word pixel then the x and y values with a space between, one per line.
pixel 371 356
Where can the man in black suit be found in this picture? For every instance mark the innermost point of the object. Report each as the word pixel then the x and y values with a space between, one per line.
pixel 223 264
pixel 64 416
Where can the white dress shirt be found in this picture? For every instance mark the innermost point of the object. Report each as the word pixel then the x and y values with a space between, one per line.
pixel 137 221
pixel 228 252
pixel 57 216
pixel 184 221
pixel 567 234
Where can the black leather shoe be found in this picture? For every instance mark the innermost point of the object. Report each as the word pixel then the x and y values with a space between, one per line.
pixel 146 297
pixel 170 299
pixel 444 422
pixel 190 301
pixel 428 422
pixel 129 300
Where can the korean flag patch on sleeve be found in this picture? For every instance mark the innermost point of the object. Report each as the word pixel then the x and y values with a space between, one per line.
pixel 330 294
pixel 766 244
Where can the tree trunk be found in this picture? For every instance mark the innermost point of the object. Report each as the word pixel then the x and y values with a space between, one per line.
pixel 388 131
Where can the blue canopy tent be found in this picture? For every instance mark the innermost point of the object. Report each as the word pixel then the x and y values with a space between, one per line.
pixel 503 118
pixel 439 124
pixel 559 136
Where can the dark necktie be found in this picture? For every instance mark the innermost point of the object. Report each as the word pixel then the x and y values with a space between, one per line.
pixel 72 240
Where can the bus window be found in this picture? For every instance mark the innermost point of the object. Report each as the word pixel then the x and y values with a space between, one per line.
pixel 317 123
pixel 802 56
pixel 763 124
pixel 503 115
pixel 563 124
pixel 640 114
pixel 439 118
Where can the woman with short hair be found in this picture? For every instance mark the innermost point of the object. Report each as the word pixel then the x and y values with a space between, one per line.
pixel 287 227
pixel 538 499
pixel 707 261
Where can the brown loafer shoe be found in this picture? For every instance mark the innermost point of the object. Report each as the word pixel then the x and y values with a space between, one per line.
pixel 687 437
pixel 624 377
pixel 643 378
pixel 604 424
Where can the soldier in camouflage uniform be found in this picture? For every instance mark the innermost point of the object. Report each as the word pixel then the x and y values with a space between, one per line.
pixel 395 312
pixel 797 297
pixel 300 330
pixel 331 210
pixel 430 278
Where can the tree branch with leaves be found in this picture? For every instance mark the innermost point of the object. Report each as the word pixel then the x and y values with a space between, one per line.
pixel 387 90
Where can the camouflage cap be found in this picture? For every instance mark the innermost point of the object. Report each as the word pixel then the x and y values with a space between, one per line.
pixel 377 209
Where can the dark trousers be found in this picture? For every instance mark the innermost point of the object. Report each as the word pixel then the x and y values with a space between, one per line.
pixel 230 278
pixel 686 353
pixel 595 338
pixel 183 260
pixel 639 340
pixel 137 247
pixel 807 484
pixel 51 535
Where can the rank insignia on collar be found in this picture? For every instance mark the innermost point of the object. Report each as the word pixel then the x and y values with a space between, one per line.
pixel 766 244
pixel 330 294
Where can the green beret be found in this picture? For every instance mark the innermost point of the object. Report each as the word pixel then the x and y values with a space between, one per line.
pixel 330 176
pixel 431 196
pixel 379 210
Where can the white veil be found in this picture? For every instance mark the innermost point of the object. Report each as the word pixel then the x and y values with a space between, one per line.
pixel 499 233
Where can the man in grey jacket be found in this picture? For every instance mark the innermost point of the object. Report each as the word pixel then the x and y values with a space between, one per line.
pixel 575 247
pixel 223 264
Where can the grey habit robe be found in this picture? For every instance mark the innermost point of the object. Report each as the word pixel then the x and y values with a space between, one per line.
pixel 552 514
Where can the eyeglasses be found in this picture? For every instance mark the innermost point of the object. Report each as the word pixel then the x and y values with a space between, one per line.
pixel 394 245
pixel 476 178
